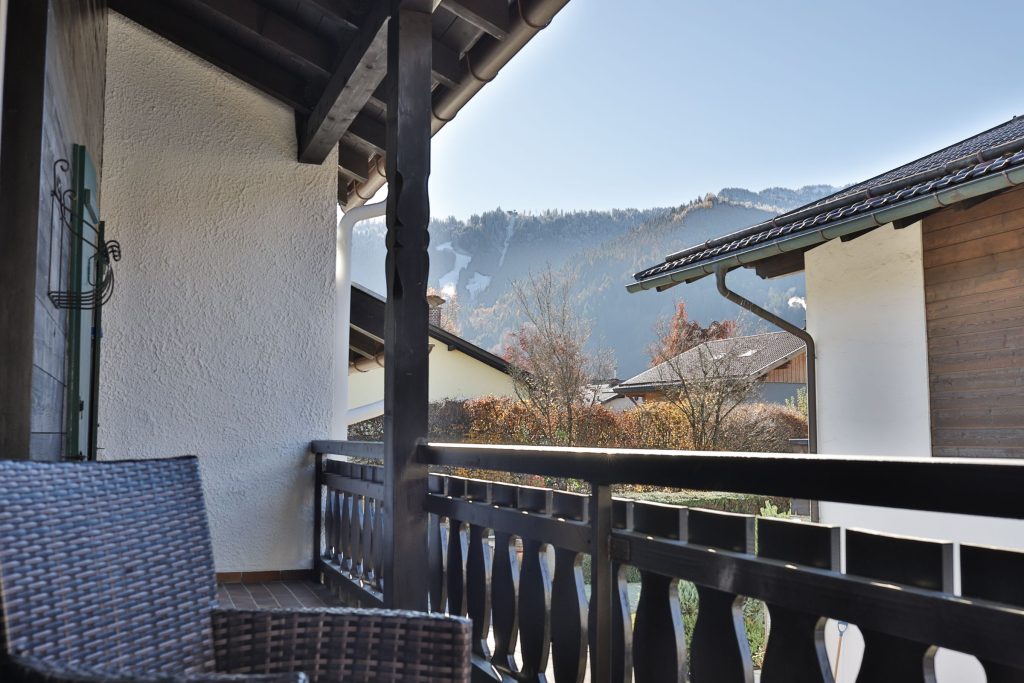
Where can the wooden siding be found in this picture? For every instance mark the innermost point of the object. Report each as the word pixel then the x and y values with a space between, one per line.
pixel 73 113
pixel 974 294
pixel 793 371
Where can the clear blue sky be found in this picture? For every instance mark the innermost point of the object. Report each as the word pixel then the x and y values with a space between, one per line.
pixel 639 103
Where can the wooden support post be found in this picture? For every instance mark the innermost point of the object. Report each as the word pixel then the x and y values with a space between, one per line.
pixel 405 322
pixel 318 516
pixel 602 583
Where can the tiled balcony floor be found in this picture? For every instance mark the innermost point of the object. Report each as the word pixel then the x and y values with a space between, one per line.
pixel 276 594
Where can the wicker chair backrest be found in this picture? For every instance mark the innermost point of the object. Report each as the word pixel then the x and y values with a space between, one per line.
pixel 107 565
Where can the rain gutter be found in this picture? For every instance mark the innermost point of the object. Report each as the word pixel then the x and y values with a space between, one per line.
pixel 812 389
pixel 343 313
pixel 484 61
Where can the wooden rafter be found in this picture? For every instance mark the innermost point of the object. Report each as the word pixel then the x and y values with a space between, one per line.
pixel 490 16
pixel 203 41
pixel 251 20
pixel 358 74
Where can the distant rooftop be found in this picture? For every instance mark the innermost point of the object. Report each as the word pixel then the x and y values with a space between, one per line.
pixel 750 356
pixel 917 188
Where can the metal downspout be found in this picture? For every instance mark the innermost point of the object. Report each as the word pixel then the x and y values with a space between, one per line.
pixel 812 391
pixel 343 313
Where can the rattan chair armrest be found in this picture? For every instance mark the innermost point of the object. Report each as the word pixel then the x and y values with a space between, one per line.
pixel 333 645
pixel 28 670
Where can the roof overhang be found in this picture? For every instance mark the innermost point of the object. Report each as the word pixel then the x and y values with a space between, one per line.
pixel 902 213
pixel 327 60
pixel 366 330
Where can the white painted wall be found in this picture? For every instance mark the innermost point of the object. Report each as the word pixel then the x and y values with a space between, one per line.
pixel 866 311
pixel 218 339
pixel 453 374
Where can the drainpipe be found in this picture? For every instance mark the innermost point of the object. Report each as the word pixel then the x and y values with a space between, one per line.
pixel 343 312
pixel 812 393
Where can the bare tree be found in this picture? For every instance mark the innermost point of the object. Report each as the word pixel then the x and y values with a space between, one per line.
pixel 551 365
pixel 703 374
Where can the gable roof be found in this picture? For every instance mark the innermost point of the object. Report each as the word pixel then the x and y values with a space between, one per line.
pixel 985 163
pixel 754 356
pixel 367 332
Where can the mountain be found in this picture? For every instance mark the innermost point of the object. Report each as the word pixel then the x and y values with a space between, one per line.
pixel 477 260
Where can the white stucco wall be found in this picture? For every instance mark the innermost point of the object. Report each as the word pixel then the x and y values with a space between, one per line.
pixel 453 374
pixel 866 311
pixel 218 338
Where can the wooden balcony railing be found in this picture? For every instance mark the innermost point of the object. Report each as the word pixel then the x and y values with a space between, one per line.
pixel 513 559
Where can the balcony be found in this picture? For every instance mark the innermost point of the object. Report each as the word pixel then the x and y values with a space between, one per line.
pixel 542 573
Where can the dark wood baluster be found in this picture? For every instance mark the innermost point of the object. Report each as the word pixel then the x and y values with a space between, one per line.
pixel 911 562
pixel 435 548
pixel 622 623
pixel 378 546
pixel 505 602
pixel 796 645
pixel 371 515
pixel 355 529
pixel 659 644
pixel 458 547
pixel 534 590
pixel 534 610
pixel 329 523
pixel 719 652
pixel 478 599
pixel 569 609
pixel 993 574
pixel 344 531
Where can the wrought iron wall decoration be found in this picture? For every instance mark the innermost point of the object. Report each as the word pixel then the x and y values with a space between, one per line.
pixel 67 226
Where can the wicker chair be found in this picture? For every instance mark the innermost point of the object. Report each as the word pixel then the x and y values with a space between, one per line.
pixel 106 574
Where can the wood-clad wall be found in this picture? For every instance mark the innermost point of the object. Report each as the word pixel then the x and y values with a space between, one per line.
pixel 974 294
pixel 54 94
pixel 793 371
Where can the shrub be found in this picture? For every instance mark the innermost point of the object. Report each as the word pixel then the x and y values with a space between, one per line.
pixel 763 428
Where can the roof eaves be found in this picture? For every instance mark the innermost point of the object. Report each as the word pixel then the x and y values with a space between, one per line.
pixel 668 274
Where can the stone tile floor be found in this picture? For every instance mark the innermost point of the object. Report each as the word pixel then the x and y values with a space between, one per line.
pixel 286 594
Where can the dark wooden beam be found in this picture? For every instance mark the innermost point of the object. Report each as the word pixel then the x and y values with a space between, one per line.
pixel 777 266
pixel 353 163
pixel 201 40
pixel 20 172
pixel 337 10
pixel 370 132
pixel 406 347
pixel 447 68
pixel 253 23
pixel 358 74
pixel 490 16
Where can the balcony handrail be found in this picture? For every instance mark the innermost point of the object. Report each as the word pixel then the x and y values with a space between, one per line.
pixel 794 567
pixel 369 450
pixel 974 486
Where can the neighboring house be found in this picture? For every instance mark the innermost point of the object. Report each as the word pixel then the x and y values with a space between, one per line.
pixel 777 360
pixel 458 369
pixel 915 293
pixel 606 394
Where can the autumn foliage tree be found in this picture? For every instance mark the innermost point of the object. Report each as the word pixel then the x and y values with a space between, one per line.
pixel 704 378
pixel 679 334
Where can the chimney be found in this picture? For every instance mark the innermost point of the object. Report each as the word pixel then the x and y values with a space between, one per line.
pixel 434 302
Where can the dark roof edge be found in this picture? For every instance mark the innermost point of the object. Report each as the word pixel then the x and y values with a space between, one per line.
pixel 810 238
pixel 819 207
pixel 472 350
pixel 453 341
